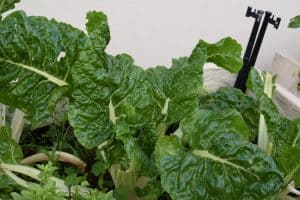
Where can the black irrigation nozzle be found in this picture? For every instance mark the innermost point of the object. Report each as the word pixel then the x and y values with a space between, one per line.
pixel 274 22
pixel 254 43
pixel 257 14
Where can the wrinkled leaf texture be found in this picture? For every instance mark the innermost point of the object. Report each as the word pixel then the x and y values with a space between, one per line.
pixel 218 164
pixel 33 76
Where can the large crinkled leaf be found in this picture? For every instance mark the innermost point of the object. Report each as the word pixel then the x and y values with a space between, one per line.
pixel 295 22
pixel 226 53
pixel 176 89
pixel 10 152
pixel 113 96
pixel 208 123
pixel 223 166
pixel 36 56
pixel 6 5
pixel 216 161
pixel 233 98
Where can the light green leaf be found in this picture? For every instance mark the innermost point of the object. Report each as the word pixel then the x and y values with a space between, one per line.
pixel 36 55
pixel 226 53
pixel 6 5
pixel 290 163
pixel 295 22
pixel 229 168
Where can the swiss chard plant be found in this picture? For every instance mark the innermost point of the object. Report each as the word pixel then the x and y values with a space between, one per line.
pixel 144 134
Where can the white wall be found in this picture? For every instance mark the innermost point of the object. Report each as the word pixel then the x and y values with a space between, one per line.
pixel 154 31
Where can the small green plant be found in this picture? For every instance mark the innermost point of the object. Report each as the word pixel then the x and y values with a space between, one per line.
pixel 45 190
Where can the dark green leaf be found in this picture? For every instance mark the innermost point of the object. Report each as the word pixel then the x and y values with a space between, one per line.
pixel 96 26
pixel 33 71
pixel 209 122
pixel 295 22
pixel 176 89
pixel 216 160
pixel 6 5
pixel 233 98
pixel 229 168
pixel 226 53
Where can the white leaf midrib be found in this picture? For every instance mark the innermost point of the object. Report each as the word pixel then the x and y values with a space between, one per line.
pixel 206 154
pixel 44 74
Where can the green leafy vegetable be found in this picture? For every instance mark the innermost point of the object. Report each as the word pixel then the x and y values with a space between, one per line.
pixel 6 5
pixel 229 169
pixel 226 53
pixel 295 22
pixel 216 164
pixel 128 112
pixel 36 57
pixel 289 161
pixel 225 98
pixel 209 122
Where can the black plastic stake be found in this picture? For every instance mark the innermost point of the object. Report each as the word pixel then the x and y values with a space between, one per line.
pixel 251 53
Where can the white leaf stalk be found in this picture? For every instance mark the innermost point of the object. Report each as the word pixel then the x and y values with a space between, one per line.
pixel 17 125
pixel 2 114
pixel 10 170
pixel 61 156
pixel 32 173
pixel 263 140
pixel 291 188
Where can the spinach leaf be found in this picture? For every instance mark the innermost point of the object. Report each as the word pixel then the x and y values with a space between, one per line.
pixel 36 56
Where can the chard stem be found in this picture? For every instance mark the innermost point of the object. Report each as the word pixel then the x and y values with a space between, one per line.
pixel 62 156
pixel 263 140
pixel 291 188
